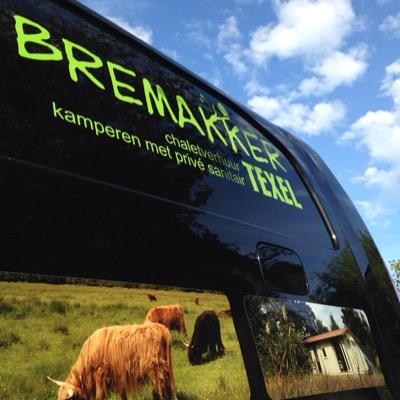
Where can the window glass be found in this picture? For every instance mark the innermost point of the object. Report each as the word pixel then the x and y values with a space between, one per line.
pixel 84 100
pixel 308 348
pixel 50 326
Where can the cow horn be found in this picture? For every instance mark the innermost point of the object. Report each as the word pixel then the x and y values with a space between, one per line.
pixel 59 383
pixel 185 344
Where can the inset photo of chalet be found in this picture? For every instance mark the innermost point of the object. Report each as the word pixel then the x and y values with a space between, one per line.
pixel 71 338
pixel 308 348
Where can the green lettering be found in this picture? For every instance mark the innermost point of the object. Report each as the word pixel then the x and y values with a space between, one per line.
pixel 273 155
pixel 159 100
pixel 210 124
pixel 233 136
pixel 116 84
pixel 80 65
pixel 249 169
pixel 110 131
pixel 69 117
pixel 57 111
pixel 296 203
pixel 40 38
pixel 254 149
pixel 262 181
pixel 136 141
pixel 98 128
pixel 189 118
pixel 126 137
pixel 87 122
pixel 284 190
pixel 276 194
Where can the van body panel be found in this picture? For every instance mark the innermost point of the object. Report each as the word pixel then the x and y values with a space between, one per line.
pixel 84 200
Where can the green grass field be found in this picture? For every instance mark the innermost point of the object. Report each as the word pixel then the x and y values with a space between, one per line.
pixel 43 326
pixel 286 387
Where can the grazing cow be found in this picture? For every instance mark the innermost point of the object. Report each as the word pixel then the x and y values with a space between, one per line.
pixel 121 359
pixel 171 316
pixel 197 301
pixel 206 337
pixel 151 297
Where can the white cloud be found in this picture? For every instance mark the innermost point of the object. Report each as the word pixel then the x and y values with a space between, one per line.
pixel 228 44
pixel 379 133
pixel 233 57
pixel 297 116
pixel 375 213
pixel 391 83
pixel 388 180
pixel 314 30
pixel 335 70
pixel 228 32
pixel 305 28
pixel 254 87
pixel 141 32
pixel 199 32
pixel 391 25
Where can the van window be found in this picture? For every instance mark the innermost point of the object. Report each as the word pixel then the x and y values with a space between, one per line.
pixel 91 102
pixel 52 325
pixel 307 348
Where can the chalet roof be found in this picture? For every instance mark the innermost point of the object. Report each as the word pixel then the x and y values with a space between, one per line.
pixel 327 335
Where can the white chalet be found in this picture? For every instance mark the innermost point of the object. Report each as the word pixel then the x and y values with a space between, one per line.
pixel 336 352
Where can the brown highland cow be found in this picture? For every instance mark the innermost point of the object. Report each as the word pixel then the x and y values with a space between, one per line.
pixel 151 297
pixel 171 316
pixel 120 359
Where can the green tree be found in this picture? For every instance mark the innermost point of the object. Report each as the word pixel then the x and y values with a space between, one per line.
pixel 358 324
pixel 333 322
pixel 279 338
pixel 321 328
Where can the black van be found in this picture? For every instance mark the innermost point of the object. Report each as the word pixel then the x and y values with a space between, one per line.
pixel 144 212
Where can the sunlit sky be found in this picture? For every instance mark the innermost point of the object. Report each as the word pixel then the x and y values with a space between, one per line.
pixel 323 313
pixel 326 70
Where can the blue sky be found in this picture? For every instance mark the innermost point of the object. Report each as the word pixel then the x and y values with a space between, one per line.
pixel 327 70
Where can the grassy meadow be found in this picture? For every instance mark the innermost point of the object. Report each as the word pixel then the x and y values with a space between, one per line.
pixel 43 326
pixel 285 387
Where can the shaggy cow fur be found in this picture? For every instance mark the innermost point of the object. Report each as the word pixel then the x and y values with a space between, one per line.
pixel 206 337
pixel 121 359
pixel 171 316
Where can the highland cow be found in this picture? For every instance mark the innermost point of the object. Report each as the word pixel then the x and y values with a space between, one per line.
pixel 151 297
pixel 121 359
pixel 171 316
pixel 206 338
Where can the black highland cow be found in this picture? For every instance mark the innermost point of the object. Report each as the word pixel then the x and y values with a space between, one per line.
pixel 206 337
